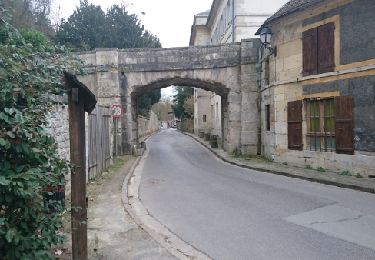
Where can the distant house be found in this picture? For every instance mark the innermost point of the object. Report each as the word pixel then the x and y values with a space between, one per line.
pixel 318 85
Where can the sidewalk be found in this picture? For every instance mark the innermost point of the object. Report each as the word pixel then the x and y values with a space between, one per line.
pixel 112 233
pixel 324 177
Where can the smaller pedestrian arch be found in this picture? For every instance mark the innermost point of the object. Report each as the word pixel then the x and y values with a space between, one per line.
pixel 228 70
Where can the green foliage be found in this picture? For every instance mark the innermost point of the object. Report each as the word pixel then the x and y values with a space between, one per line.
pixel 30 14
pixel 320 169
pixel 146 101
pixel 37 39
pixel 85 29
pixel 31 69
pixel 345 173
pixel 358 175
pixel 308 167
pixel 90 27
pixel 183 93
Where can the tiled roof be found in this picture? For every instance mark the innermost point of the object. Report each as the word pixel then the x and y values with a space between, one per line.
pixel 291 7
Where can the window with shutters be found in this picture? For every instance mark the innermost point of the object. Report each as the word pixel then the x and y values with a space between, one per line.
pixel 320 125
pixel 329 125
pixel 318 49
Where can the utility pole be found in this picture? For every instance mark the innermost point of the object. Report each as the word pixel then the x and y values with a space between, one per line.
pixel 80 100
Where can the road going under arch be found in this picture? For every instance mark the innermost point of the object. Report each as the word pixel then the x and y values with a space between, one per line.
pixel 232 213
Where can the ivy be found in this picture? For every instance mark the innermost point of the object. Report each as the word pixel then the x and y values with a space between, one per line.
pixel 31 70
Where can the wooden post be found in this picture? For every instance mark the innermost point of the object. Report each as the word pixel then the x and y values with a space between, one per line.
pixel 78 178
pixel 80 100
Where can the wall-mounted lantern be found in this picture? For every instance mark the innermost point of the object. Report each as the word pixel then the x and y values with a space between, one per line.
pixel 265 38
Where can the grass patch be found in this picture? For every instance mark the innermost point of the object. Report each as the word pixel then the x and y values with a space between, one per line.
pixel 359 176
pixel 321 169
pixel 308 167
pixel 102 177
pixel 285 163
pixel 345 173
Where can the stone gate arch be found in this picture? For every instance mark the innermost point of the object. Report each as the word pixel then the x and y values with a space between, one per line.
pixel 214 86
pixel 228 70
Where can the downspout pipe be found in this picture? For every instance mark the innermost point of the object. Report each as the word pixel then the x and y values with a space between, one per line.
pixel 262 66
pixel 233 17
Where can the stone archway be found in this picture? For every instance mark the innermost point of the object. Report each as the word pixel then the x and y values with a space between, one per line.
pixel 228 70
pixel 215 87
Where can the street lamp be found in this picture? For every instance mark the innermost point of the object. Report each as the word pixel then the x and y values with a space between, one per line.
pixel 265 38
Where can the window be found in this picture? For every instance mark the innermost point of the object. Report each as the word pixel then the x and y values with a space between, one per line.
pixel 320 134
pixel 318 50
pixel 329 125
pixel 204 118
pixel 268 118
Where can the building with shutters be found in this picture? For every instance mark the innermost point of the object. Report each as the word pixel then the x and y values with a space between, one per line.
pixel 317 85
pixel 227 21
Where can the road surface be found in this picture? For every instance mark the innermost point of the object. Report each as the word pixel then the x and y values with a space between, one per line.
pixel 232 213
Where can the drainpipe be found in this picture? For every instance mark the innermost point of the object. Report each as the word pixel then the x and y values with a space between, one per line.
pixel 262 66
pixel 233 16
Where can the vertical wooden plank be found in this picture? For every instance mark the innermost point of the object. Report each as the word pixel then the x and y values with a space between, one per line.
pixel 344 125
pixel 78 179
pixel 295 125
pixel 310 52
pixel 326 45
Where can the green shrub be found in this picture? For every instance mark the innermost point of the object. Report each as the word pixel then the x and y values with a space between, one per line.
pixel 29 219
pixel 345 173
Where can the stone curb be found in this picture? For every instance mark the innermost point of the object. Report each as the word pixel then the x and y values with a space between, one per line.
pixel 160 233
pixel 288 174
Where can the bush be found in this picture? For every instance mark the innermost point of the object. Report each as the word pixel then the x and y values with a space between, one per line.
pixel 29 165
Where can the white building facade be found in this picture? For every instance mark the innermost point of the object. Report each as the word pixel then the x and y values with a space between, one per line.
pixel 227 21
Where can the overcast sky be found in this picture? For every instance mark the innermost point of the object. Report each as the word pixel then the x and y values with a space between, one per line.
pixel 170 20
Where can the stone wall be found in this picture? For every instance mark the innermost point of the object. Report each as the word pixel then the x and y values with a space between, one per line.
pixel 147 126
pixel 58 127
pixel 227 70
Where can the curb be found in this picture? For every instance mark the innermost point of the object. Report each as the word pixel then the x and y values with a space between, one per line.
pixel 287 174
pixel 160 233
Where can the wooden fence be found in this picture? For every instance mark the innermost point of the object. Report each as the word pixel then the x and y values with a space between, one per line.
pixel 99 141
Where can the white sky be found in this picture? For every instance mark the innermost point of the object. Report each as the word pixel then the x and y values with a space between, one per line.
pixel 169 20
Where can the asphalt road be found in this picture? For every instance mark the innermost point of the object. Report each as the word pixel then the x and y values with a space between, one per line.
pixel 232 213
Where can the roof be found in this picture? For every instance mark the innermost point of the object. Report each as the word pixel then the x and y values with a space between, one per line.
pixel 290 7
pixel 205 13
pixel 84 94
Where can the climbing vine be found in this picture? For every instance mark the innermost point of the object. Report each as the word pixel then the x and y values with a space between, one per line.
pixel 31 70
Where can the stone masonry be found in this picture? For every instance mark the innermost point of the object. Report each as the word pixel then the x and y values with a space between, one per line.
pixel 228 70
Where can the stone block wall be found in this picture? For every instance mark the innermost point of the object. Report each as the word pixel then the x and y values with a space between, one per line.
pixel 58 127
pixel 147 126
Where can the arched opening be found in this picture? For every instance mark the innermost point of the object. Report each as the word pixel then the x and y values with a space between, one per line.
pixel 215 117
